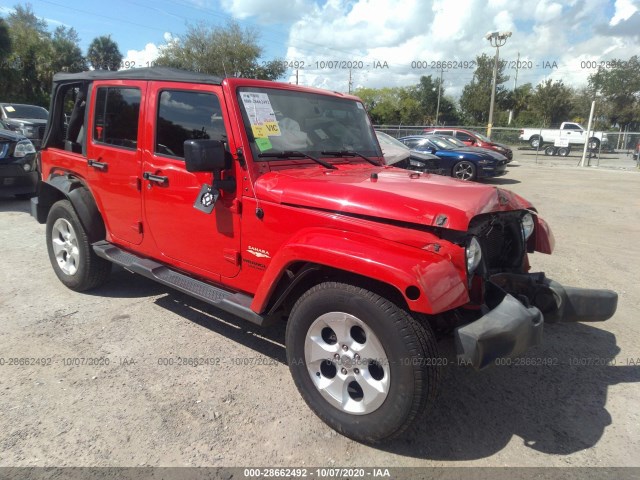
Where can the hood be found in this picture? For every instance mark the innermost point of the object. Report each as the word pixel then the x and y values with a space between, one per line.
pixel 395 194
pixel 483 152
pixel 394 153
pixel 25 121
pixel 10 135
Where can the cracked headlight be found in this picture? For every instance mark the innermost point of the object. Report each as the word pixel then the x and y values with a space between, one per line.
pixel 527 226
pixel 474 254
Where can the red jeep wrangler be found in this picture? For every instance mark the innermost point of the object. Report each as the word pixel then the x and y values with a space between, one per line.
pixel 272 201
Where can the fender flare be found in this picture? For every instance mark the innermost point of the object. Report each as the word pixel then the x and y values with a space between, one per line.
pixel 440 285
pixel 81 199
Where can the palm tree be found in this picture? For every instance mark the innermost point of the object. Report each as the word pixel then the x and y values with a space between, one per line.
pixel 103 54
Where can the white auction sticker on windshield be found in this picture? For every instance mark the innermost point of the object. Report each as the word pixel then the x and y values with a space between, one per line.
pixel 9 108
pixel 261 115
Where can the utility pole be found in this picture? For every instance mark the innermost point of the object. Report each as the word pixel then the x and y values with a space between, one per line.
pixel 296 76
pixel 439 90
pixel 497 40
pixel 515 84
pixel 350 82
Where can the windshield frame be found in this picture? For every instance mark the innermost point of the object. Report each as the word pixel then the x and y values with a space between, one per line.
pixel 272 112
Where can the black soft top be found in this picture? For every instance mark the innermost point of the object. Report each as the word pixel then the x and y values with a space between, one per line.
pixel 154 73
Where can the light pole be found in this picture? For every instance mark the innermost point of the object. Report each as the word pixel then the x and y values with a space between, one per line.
pixel 497 40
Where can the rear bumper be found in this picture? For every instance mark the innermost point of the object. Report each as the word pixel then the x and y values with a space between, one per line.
pixel 519 306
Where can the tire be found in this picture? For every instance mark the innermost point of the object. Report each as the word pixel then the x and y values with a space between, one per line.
pixel 464 170
pixel 72 258
pixel 563 151
pixel 594 144
pixel 406 373
pixel 535 141
pixel 550 150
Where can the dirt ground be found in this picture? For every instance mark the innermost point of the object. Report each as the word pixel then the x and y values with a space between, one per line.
pixel 242 409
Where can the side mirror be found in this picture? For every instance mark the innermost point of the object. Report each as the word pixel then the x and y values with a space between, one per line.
pixel 205 156
pixel 209 156
pixel 472 141
pixel 432 151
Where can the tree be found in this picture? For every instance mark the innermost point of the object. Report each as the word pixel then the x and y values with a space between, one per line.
pixel 67 55
pixel 5 42
pixel 619 87
pixel 551 101
pixel 222 51
pixel 476 96
pixel 30 56
pixel 5 53
pixel 103 54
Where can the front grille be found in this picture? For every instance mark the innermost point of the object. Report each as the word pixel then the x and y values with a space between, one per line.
pixel 501 240
pixel 41 131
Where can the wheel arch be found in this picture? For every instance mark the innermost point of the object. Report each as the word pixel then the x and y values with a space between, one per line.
pixel 422 281
pixel 60 187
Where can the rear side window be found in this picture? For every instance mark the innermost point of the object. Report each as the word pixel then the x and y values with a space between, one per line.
pixel 187 115
pixel 116 116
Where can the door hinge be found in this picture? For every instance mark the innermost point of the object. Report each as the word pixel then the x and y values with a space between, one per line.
pixel 236 207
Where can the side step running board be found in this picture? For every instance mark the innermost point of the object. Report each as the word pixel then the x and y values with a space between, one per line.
pixel 234 303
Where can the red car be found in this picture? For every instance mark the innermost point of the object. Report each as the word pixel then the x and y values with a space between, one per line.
pixel 272 202
pixel 473 139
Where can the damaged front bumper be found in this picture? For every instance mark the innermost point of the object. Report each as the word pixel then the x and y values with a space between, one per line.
pixel 519 305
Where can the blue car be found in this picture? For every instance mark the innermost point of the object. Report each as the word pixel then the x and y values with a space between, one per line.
pixel 462 163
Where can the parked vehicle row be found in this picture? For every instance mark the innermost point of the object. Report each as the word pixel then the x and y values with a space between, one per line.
pixel 472 139
pixel 464 163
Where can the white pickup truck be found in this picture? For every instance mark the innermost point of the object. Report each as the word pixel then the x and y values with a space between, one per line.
pixel 573 132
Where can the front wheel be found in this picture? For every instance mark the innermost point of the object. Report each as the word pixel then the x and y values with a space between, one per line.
pixel 365 366
pixel 464 170
pixel 72 258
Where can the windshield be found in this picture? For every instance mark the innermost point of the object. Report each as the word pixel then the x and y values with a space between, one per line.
pixel 284 120
pixel 482 137
pixel 450 141
pixel 25 111
pixel 441 143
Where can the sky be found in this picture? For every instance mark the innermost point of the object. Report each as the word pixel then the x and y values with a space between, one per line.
pixel 386 43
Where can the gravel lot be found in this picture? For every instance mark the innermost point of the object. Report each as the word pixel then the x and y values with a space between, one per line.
pixel 140 410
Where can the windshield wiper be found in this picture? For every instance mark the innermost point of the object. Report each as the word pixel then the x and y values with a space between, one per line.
pixel 293 154
pixel 350 153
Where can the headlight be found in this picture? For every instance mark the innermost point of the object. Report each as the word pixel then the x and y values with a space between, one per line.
pixel 474 254
pixel 527 226
pixel 27 130
pixel 23 148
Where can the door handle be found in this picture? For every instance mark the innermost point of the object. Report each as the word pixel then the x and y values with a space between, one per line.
pixel 102 166
pixel 155 178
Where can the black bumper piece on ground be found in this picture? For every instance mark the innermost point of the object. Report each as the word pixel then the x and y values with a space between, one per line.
pixel 519 304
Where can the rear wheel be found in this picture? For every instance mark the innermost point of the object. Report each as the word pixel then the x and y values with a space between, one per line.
pixel 594 143
pixel 72 258
pixel 365 366
pixel 550 150
pixel 464 170
pixel 563 151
